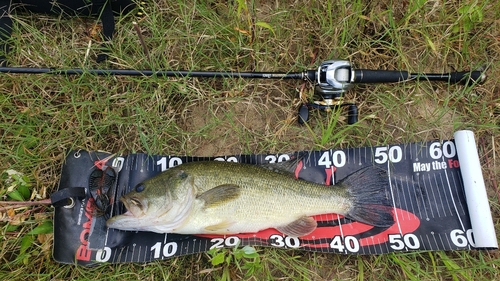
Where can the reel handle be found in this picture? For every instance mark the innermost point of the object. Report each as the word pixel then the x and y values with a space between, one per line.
pixel 352 111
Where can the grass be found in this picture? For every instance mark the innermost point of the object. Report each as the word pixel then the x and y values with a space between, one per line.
pixel 43 116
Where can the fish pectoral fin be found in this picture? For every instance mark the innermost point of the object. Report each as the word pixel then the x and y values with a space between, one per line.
pixel 220 194
pixel 300 227
pixel 220 228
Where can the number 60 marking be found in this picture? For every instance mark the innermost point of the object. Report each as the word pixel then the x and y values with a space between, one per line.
pixel 461 238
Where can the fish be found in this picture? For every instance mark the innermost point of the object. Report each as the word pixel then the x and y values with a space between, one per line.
pixel 214 197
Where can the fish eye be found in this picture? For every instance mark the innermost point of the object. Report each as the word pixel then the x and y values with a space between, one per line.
pixel 140 187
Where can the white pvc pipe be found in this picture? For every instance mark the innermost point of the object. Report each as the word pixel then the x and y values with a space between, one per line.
pixel 475 190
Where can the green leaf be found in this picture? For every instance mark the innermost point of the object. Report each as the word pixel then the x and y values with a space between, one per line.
pixel 265 25
pixel 479 15
pixel 238 254
pixel 24 191
pixel 218 259
pixel 16 195
pixel 26 242
pixel 241 5
pixel 44 228
pixel 468 25
pixel 250 252
pixel 11 227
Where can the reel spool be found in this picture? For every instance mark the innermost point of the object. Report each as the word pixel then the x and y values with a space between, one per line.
pixel 333 79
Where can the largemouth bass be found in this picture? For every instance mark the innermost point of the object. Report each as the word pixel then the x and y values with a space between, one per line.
pixel 215 197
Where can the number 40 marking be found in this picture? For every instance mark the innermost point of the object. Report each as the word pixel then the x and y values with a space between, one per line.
pixel 338 159
pixel 349 243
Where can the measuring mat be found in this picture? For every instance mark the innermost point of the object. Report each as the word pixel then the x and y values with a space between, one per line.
pixel 437 190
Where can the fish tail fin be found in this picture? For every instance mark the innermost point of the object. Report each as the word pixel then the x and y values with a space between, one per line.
pixel 370 200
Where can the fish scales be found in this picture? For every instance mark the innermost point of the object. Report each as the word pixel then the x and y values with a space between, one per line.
pixel 265 196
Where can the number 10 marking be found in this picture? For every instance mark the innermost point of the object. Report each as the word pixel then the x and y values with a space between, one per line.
pixel 167 250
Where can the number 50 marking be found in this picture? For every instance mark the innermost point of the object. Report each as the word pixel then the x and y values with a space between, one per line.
pixel 393 154
pixel 399 242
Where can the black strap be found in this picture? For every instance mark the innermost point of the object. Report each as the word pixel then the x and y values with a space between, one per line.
pixel 64 196
pixel 108 27
pixel 107 18
pixel 5 30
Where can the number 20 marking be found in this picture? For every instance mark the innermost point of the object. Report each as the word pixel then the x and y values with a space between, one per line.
pixel 230 241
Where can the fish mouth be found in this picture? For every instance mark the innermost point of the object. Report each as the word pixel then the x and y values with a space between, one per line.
pixel 127 214
pixel 133 206
pixel 126 221
pixel 133 217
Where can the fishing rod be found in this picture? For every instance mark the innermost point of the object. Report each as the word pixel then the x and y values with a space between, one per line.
pixel 331 79
pixel 159 73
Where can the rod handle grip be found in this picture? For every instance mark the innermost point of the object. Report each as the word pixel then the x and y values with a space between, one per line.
pixel 379 76
pixel 466 77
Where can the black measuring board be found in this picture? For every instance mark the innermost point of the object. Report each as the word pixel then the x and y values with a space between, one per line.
pixel 424 184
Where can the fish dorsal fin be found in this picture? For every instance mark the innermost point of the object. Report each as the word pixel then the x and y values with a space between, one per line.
pixel 220 194
pixel 299 227
pixel 286 167
pixel 220 228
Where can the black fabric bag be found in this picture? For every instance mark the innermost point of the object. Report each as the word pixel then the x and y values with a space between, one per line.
pixel 103 9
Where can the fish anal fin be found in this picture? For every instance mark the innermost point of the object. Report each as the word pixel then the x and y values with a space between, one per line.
pixel 220 194
pixel 299 227
pixel 219 228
